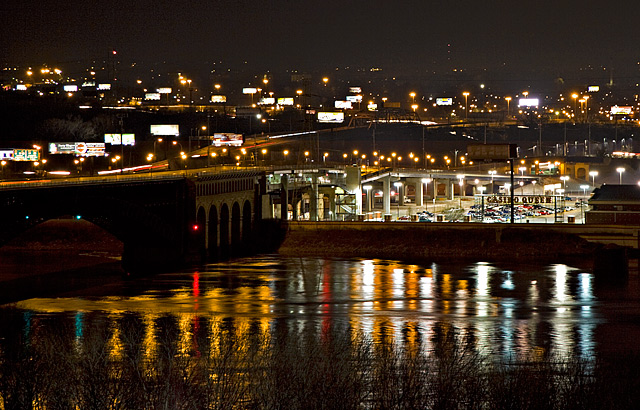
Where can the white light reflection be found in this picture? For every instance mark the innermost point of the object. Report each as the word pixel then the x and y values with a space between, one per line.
pixel 367 281
pixel 561 283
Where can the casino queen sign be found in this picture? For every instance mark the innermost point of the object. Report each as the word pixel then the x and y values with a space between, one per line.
pixel 520 199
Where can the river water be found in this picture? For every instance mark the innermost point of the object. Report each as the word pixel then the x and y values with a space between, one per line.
pixel 272 332
pixel 506 312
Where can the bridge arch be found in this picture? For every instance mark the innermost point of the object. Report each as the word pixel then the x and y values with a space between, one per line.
pixel 236 228
pixel 212 233
pixel 224 231
pixel 200 232
pixel 246 222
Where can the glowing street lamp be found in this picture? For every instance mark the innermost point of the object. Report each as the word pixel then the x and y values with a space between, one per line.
pixel 398 186
pixel 413 97
pixel 508 99
pixel 466 106
pixel 620 171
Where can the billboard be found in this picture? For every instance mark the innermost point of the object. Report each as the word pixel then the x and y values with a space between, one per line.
pixel 104 86
pixel 593 88
pixel 285 101
pixel 355 90
pixel 83 149
pixel 331 117
pixel 164 90
pixel 267 101
pixel 70 88
pixel 226 139
pixel 117 139
pixel 528 102
pixel 354 98
pixel 621 110
pixel 220 99
pixel 20 154
pixel 165 129
pixel 6 154
pixel 344 105
pixel 389 104
pixel 249 90
pixel 372 106
pixel 21 87
pixel 492 151
pixel 89 84
pixel 444 101
pixel 152 96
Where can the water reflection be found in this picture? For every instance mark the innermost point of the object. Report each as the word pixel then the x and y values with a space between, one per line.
pixel 495 312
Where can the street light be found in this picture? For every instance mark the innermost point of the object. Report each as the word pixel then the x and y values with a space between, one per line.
pixel 466 106
pixel 620 171
pixel 575 104
pixel 508 101
pixel 593 175
pixel 413 97
pixel 564 180
pixel 398 186
pixel 492 173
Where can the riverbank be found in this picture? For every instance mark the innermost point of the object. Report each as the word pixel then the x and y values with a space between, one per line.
pixel 415 242
pixel 54 257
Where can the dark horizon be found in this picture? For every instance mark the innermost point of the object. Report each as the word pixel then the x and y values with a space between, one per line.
pixel 407 38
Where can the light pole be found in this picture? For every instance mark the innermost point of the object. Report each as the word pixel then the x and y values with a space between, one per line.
pixel 482 189
pixel 466 106
pixel 492 173
pixel 398 186
pixel 620 171
pixel 508 101
pixel 564 180
pixel 584 195
pixel 575 106
pixel 593 175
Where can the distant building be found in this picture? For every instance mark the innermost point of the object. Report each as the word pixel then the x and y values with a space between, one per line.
pixel 615 205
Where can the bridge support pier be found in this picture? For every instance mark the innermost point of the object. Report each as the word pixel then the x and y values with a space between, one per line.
pixel 386 195
pixel 284 197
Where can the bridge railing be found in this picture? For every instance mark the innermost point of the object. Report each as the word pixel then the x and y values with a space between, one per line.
pixel 114 179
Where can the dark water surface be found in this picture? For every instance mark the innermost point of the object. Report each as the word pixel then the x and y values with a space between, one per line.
pixel 503 312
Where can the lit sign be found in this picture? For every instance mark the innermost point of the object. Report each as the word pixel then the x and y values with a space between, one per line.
pixel 372 107
pixel 267 101
pixel 89 84
pixel 444 101
pixel 285 101
pixel 6 154
pixel 354 98
pixel 621 110
pixel 165 129
pixel 218 98
pixel 26 154
pixel 594 88
pixel 344 105
pixel 519 199
pixel 164 90
pixel 528 102
pixel 70 88
pixel 117 139
pixel 355 90
pixel 104 86
pixel 234 140
pixel 249 90
pixel 331 117
pixel 83 149
pixel 492 151
pixel 21 87
pixel 152 96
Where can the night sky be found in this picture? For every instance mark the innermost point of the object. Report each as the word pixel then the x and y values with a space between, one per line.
pixel 286 34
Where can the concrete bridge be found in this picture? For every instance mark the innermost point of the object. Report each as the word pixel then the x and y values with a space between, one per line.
pixel 164 220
